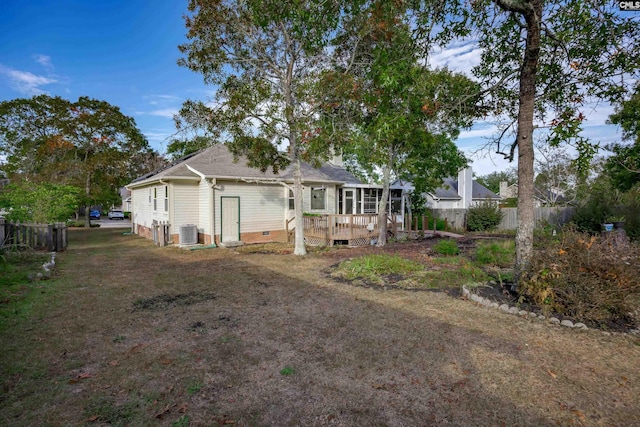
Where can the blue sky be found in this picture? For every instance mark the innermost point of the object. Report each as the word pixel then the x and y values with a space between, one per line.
pixel 125 52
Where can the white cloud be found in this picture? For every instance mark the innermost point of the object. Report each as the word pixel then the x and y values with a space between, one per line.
pixel 26 82
pixel 162 99
pixel 459 56
pixel 163 112
pixel 44 60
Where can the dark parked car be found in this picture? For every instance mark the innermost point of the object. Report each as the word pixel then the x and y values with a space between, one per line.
pixel 94 214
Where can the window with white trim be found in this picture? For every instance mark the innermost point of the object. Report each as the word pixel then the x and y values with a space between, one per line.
pixel 370 199
pixel 292 204
pixel 155 198
pixel 166 198
pixel 318 198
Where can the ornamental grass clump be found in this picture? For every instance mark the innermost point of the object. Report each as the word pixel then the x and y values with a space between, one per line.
pixel 588 278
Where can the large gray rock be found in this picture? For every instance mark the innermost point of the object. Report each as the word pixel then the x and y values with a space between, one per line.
pixel 567 323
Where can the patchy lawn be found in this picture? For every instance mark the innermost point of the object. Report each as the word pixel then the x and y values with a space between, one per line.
pixel 130 334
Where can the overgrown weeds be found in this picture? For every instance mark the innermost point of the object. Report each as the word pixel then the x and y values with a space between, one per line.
pixel 586 277
pixel 371 268
pixel 446 247
pixel 498 254
pixel 16 284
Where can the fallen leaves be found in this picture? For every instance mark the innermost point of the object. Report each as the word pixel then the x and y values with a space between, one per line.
pixel 82 376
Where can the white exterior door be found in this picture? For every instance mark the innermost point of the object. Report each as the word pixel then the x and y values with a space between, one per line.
pixel 348 202
pixel 230 219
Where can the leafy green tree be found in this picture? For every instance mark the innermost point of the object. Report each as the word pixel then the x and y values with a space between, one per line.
pixel 543 60
pixel 388 111
pixel 263 56
pixel 492 180
pixel 179 148
pixel 627 115
pixel 623 166
pixel 39 203
pixel 89 144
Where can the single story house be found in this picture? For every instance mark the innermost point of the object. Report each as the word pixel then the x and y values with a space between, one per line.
pixel 542 197
pixel 454 194
pixel 209 198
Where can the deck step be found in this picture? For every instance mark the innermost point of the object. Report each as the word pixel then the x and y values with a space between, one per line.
pixel 233 244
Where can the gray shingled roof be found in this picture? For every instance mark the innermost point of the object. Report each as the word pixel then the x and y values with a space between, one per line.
pixel 448 190
pixel 479 191
pixel 217 162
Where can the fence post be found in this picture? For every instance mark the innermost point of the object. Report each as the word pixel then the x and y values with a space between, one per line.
pixel 2 231
pixel 50 240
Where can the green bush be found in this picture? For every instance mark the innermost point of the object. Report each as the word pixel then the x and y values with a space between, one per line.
pixel 485 216
pixel 446 247
pixel 499 254
pixel 586 277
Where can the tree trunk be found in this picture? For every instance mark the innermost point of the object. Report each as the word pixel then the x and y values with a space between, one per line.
pixel 299 248
pixel 382 206
pixel 87 192
pixel 524 140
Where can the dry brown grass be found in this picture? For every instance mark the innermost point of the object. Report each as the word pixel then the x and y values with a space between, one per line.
pixel 101 349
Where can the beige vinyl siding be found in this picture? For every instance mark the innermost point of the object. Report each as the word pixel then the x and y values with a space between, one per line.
pixel 142 208
pixel 185 204
pixel 330 203
pixel 262 206
pixel 204 214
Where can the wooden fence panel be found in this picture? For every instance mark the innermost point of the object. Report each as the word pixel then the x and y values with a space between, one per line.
pixel 552 215
pixel 51 237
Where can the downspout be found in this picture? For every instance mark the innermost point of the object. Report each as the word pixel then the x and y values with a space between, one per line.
pixel 212 222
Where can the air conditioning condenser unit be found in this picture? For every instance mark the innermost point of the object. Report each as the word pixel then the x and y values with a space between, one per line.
pixel 188 234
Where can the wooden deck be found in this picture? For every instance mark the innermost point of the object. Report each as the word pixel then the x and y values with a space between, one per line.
pixel 354 230
pixel 362 229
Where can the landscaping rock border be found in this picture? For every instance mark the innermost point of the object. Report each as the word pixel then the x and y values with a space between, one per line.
pixel 505 308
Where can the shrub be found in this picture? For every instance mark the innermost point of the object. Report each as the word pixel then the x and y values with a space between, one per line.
pixel 485 216
pixel 446 247
pixel 588 278
pixel 500 254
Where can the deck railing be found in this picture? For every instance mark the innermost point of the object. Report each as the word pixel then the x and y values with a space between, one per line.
pixel 356 229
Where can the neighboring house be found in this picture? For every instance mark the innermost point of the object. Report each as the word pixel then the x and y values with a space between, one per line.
pixel 542 197
pixel 508 191
pixel 455 193
pixel 125 199
pixel 231 203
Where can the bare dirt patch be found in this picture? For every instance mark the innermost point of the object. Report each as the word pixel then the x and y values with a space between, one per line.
pixel 284 344
pixel 167 301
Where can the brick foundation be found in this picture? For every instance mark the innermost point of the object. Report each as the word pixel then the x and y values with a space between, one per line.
pixel 205 239
pixel 143 231
pixel 249 238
